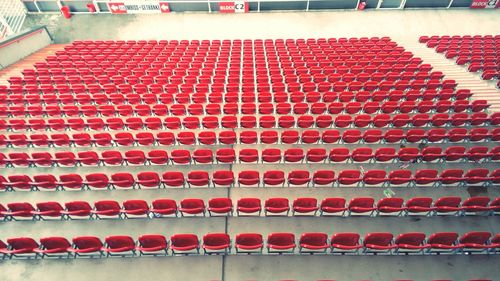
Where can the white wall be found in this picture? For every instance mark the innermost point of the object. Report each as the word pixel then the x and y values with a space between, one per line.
pixel 15 49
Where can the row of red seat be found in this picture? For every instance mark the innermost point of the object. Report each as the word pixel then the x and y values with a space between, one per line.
pixel 224 53
pixel 216 54
pixel 285 64
pixel 351 136
pixel 290 62
pixel 283 108
pixel 205 68
pixel 274 206
pixel 467 49
pixel 221 73
pixel 140 82
pixel 134 53
pixel 332 72
pixel 206 57
pixel 146 179
pixel 251 121
pixel 249 155
pixel 266 87
pixel 301 55
pixel 422 39
pixel 159 97
pixel 299 52
pixel 277 243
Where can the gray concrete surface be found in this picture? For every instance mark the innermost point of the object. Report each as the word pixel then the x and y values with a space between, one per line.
pixel 395 23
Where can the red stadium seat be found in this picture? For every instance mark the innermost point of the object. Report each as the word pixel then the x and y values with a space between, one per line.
pixel 316 155
pixel 53 246
pixel 362 205
pixel 192 206
pixel 249 178
pixel 378 242
pixel 299 178
pixel 71 181
pixel 475 242
pixel 276 207
pixel 18 183
pixel 163 207
pixel 449 205
pixel 106 209
pixel 271 155
pixel 274 178
pixel 180 156
pixel 135 209
pixel 248 155
pixel 122 180
pixel 21 246
pixel 248 137
pixel 269 137
pixel 219 206
pixel 305 206
pixel 86 246
pixel 349 177
pixel 198 178
pixel 323 177
pixel 281 243
pixel 148 179
pixel 184 244
pixel 48 210
pixel 413 242
pixel 77 210
pixel 313 242
pixel 249 243
pixel 173 179
pixel 225 155
pixel 248 206
pixel 345 243
pixel 152 244
pixel 20 211
pixel 119 246
pixel 332 206
pixel 475 205
pixel 443 242
pixel 374 177
pixel 392 205
pixel 216 243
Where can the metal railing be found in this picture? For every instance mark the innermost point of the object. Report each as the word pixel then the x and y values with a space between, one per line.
pixel 12 15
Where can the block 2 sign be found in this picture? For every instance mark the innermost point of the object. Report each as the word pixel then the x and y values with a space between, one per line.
pixel 485 4
pixel 136 7
pixel 233 7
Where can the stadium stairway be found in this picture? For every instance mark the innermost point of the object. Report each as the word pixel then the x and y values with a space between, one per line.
pixel 28 62
pixel 481 89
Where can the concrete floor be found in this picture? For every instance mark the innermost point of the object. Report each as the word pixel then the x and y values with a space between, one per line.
pixel 397 24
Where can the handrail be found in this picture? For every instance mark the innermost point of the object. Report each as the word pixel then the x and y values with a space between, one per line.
pixel 22 36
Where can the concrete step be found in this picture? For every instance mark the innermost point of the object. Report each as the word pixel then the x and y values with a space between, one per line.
pixel 16 69
pixel 466 80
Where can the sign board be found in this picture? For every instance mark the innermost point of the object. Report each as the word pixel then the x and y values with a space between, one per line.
pixel 117 8
pixel 138 7
pixel 485 4
pixel 164 7
pixel 233 7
